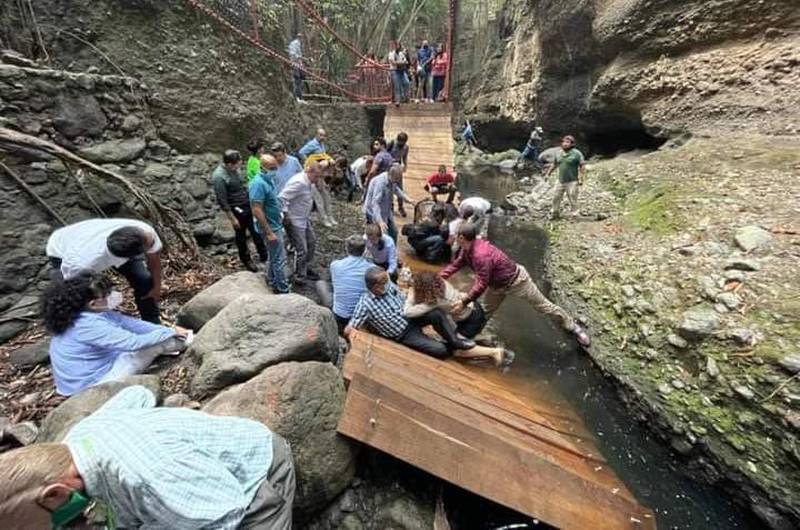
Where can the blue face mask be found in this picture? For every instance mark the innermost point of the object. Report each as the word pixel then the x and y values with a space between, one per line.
pixel 269 175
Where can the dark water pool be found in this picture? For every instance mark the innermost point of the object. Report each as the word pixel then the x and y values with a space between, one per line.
pixel 550 361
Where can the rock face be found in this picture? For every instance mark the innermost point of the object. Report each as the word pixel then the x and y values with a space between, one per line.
pixel 206 304
pixel 65 416
pixel 254 332
pixel 302 402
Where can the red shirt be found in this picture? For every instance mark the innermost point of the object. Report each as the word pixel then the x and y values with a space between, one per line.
pixel 491 266
pixel 440 64
pixel 437 179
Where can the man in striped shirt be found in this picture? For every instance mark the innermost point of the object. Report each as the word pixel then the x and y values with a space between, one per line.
pixel 382 306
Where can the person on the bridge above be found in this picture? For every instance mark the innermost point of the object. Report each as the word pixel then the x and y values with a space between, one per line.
pixel 129 246
pixel 266 208
pixel 429 292
pixel 440 183
pixel 398 149
pixel 231 192
pixel 429 236
pixel 298 65
pixel 92 343
pixel 425 57
pixel 532 148
pixel 288 166
pixel 439 71
pixel 315 146
pixel 381 162
pixel 571 174
pixel 382 249
pixel 256 148
pixel 378 199
pixel 347 279
pixel 399 63
pixel 382 309
pixel 132 465
pixel 297 200
pixel 498 276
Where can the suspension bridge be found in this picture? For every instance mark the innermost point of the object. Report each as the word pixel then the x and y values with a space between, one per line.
pixel 493 434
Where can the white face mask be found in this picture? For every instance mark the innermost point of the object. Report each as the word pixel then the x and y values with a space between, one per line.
pixel 114 300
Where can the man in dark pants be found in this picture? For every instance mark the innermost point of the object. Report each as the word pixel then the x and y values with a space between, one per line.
pixel 131 247
pixel 231 191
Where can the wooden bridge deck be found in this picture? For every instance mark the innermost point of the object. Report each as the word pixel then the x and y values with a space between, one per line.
pixel 484 431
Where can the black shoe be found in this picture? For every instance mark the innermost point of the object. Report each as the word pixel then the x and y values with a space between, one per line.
pixel 313 276
pixel 299 281
pixel 463 344
pixel 249 265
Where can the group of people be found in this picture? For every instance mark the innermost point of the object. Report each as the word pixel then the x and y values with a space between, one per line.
pixel 419 75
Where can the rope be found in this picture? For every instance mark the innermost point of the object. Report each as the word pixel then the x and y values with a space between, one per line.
pixel 450 49
pixel 269 52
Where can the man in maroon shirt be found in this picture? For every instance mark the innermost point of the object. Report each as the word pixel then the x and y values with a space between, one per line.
pixel 498 276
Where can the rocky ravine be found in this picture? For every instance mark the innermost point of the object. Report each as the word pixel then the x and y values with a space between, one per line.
pixel 684 265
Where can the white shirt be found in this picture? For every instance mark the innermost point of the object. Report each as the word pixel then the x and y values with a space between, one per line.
pixel 84 246
pixel 359 169
pixel 397 57
pixel 479 205
pixel 297 198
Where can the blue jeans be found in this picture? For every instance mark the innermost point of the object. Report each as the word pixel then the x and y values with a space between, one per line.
pixel 276 271
pixel 400 86
pixel 530 153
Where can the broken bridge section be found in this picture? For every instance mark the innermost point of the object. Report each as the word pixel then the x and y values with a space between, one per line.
pixel 469 425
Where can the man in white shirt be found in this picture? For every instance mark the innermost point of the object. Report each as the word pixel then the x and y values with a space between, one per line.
pixel 359 169
pixel 131 247
pixel 297 199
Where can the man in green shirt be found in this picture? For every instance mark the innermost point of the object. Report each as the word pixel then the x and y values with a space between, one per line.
pixel 256 148
pixel 571 174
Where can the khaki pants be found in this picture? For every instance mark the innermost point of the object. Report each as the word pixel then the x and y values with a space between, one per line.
pixel 271 509
pixel 571 190
pixel 524 287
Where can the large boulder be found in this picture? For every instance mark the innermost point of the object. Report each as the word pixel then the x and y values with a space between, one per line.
pixel 79 115
pixel 61 419
pixel 302 402
pixel 207 303
pixel 257 331
pixel 114 151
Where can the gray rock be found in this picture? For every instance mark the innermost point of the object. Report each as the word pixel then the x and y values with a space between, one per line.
pixel 677 383
pixel 677 341
pixel 302 402
pixel 791 363
pixel 31 355
pixel 729 300
pixel 203 232
pixel 79 115
pixel 733 275
pixel 114 150
pixel 66 415
pixel 158 150
pixel 752 237
pixel 628 291
pixel 157 171
pixel 404 513
pixel 742 336
pixel 224 232
pixel 665 389
pixel 257 331
pixel 181 400
pixel 698 323
pixel 24 433
pixel 12 328
pixel 711 367
pixel 210 301
pixel 131 123
pixel 743 264
pixel 744 391
pixel 721 308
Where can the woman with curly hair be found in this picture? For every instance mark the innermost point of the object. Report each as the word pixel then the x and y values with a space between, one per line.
pixel 92 343
pixel 428 292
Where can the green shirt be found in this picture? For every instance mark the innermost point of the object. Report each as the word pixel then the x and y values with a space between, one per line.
pixel 568 163
pixel 253 168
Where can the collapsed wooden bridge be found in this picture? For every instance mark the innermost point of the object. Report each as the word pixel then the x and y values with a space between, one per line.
pixel 491 434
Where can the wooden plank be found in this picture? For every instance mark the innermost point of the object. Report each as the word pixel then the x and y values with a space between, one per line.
pixel 453 444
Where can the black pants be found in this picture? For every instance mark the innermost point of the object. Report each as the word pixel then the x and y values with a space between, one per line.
pixel 244 215
pixel 138 275
pixel 415 339
pixel 474 323
pixel 341 323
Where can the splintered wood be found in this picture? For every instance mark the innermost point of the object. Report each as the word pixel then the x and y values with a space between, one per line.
pixel 481 432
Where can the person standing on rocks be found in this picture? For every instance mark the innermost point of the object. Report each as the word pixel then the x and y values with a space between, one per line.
pixel 266 208
pixel 378 200
pixel 297 200
pixel 288 165
pixel 398 149
pixel 532 148
pixel 315 146
pixel 129 246
pixel 256 148
pixel 231 192
pixel 347 279
pixel 131 464
pixel 497 276
pixel 381 162
pixel 571 174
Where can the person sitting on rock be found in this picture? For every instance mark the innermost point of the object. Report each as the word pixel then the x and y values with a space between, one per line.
pixel 381 308
pixel 92 343
pixel 441 183
pixel 133 465
pixel 498 276
pixel 429 237
pixel 382 249
pixel 129 246
pixel 347 279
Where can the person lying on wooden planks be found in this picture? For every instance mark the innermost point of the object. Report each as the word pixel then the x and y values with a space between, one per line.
pixel 498 276
pixel 382 309
pixel 92 343
pixel 132 465
pixel 429 236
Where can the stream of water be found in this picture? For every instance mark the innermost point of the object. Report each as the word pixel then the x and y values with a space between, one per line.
pixel 549 361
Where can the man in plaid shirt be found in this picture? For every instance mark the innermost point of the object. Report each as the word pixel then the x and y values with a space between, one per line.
pixel 381 307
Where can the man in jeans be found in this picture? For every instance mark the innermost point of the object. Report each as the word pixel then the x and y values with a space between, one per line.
pixel 399 63
pixel 268 222
pixel 131 247
pixel 231 192
pixel 571 174
pixel 425 57
pixel 297 200
pixel 498 276
pixel 378 199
